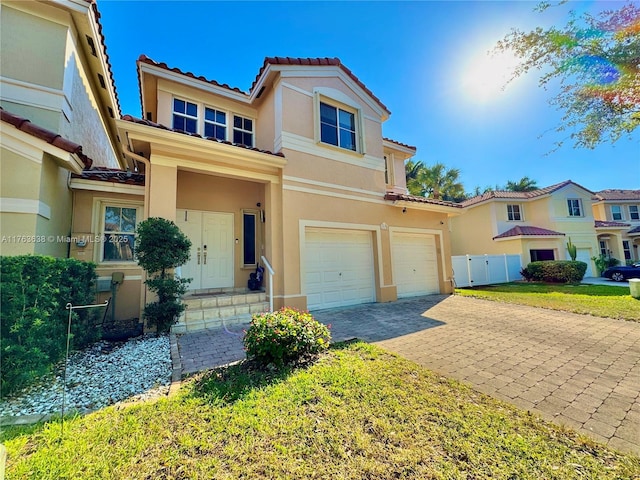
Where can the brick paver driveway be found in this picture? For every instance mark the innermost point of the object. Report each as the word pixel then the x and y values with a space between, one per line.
pixel 576 370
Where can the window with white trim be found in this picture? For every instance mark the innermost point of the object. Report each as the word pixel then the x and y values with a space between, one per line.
pixel 626 247
pixel 604 248
pixel 616 212
pixel 575 207
pixel 215 123
pixel 338 126
pixel 118 225
pixel 242 131
pixel 185 116
pixel 633 212
pixel 513 213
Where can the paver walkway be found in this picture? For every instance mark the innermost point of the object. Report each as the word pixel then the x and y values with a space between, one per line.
pixel 577 370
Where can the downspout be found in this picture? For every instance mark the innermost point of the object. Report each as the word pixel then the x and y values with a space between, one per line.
pixel 147 175
pixel 147 189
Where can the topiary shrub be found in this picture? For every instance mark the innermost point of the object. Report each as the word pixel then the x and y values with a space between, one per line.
pixel 160 247
pixel 556 271
pixel 33 319
pixel 285 335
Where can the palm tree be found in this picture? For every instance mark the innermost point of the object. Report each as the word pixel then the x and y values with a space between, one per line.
pixel 525 184
pixel 412 170
pixel 437 181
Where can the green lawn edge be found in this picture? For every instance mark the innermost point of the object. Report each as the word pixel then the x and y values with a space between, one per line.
pixel 597 300
pixel 359 412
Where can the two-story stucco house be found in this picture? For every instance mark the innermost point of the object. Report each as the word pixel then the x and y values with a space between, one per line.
pixel 535 225
pixel 617 214
pixel 59 108
pixel 296 170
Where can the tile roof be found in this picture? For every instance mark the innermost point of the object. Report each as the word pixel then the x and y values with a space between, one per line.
pixel 103 174
pixel 519 195
pixel 103 43
pixel 48 136
pixel 267 61
pixel 412 198
pixel 132 119
pixel 411 147
pixel 527 231
pixel 316 62
pixel 144 59
pixel 616 194
pixel 604 223
pixel 634 230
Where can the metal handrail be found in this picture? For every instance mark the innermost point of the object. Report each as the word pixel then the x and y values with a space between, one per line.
pixel 271 274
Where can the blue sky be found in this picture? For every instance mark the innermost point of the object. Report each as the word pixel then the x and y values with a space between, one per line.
pixel 419 58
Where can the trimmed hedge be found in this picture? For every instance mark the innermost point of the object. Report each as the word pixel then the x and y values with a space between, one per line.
pixel 34 293
pixel 555 271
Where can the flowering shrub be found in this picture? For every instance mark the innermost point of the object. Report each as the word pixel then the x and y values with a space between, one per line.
pixel 285 335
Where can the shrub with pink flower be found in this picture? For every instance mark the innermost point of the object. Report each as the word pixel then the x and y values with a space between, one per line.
pixel 285 335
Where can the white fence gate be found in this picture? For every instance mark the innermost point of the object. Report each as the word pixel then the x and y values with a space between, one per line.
pixel 474 270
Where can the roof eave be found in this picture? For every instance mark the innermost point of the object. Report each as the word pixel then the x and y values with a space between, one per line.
pixel 523 237
pixel 431 207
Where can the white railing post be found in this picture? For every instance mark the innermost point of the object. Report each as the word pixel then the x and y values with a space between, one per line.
pixel 271 274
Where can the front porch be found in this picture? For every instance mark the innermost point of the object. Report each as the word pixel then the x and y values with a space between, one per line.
pixel 216 308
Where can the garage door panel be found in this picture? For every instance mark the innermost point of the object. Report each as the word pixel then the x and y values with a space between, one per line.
pixel 338 268
pixel 415 266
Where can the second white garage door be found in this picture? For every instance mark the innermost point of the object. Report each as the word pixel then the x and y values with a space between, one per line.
pixel 415 266
pixel 338 268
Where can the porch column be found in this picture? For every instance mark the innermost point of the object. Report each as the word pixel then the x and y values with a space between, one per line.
pixel 163 191
pixel 274 238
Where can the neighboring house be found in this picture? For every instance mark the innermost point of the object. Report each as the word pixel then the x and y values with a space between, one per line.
pixel 59 108
pixel 617 214
pixel 535 225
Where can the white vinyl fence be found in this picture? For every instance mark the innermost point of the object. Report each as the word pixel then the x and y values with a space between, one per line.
pixel 474 270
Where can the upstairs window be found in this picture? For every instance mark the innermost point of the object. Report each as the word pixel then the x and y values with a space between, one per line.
pixel 633 212
pixel 242 131
pixel 575 207
pixel 337 127
pixel 513 213
pixel 185 116
pixel 215 124
pixel 616 212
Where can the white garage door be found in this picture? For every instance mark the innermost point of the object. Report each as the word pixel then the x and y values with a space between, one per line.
pixel 338 268
pixel 584 255
pixel 415 266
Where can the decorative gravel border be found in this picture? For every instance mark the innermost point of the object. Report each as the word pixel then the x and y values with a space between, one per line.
pixel 174 386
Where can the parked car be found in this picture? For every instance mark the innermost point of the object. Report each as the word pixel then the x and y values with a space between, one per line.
pixel 623 272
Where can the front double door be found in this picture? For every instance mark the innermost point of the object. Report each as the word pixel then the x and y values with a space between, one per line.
pixel 212 241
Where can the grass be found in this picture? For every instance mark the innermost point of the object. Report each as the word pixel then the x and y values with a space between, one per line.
pixel 358 413
pixel 597 300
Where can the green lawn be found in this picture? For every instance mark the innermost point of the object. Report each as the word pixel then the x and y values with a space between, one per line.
pixel 358 413
pixel 598 300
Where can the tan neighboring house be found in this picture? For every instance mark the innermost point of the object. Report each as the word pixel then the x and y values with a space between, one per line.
pixel 535 225
pixel 295 172
pixel 617 214
pixel 59 108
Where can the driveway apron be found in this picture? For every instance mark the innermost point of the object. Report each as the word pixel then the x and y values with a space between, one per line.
pixel 575 370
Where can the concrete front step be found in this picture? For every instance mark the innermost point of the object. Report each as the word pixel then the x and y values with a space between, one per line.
pixel 211 310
